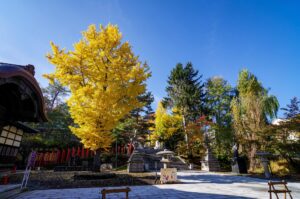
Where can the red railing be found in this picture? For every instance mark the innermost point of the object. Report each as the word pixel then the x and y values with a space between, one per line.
pixel 57 156
pixel 61 156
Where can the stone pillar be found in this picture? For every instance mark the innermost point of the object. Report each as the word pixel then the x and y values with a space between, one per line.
pixel 210 162
pixel 136 162
pixel 265 163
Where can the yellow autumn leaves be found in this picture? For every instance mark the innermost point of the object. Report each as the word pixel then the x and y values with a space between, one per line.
pixel 166 124
pixel 104 77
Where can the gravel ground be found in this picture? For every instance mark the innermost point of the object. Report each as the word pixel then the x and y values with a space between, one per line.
pixel 59 180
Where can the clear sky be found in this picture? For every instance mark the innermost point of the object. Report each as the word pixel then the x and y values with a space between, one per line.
pixel 218 37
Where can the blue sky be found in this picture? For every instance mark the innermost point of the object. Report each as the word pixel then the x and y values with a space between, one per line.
pixel 218 37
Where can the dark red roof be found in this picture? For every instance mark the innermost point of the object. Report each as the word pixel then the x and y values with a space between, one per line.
pixel 21 78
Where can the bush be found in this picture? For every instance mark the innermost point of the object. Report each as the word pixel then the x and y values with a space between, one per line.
pixel 280 167
pixel 225 162
pixel 106 158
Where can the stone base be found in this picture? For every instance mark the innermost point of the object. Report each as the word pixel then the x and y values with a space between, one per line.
pixel 235 168
pixel 239 166
pixel 136 162
pixel 135 167
pixel 147 160
pixel 210 163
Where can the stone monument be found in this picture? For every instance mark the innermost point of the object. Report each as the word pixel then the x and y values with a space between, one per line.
pixel 238 164
pixel 210 162
pixel 136 161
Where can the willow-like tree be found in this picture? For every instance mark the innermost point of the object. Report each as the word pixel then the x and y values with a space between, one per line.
pixel 252 109
pixel 104 77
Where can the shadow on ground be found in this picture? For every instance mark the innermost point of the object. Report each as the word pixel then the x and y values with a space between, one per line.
pixel 138 192
pixel 219 179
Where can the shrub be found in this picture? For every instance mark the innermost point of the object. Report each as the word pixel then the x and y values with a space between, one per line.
pixel 225 162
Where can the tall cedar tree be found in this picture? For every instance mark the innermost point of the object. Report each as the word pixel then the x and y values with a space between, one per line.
pixel 185 92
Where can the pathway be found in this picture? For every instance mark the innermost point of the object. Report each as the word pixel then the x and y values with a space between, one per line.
pixel 195 185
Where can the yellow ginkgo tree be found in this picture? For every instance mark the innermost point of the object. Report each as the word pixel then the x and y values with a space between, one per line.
pixel 166 125
pixel 104 77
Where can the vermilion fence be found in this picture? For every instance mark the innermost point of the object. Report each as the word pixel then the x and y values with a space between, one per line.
pixel 56 156
pixel 61 156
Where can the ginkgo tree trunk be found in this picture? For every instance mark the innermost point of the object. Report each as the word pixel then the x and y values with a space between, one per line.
pixel 104 77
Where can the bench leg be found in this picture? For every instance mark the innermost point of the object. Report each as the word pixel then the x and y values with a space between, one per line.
pixel 126 194
pixel 270 191
pixel 103 196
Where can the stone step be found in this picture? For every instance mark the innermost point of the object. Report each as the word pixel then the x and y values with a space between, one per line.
pixel 140 162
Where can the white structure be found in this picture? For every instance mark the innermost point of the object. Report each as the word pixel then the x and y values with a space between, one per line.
pixel 292 135
pixel 157 145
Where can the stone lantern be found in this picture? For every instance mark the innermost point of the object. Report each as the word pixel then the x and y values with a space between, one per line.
pixel 264 158
pixel 167 174
pixel 166 156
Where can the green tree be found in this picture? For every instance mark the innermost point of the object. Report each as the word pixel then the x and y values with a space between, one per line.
pixel 143 116
pixel 218 98
pixel 185 92
pixel 56 132
pixel 292 109
pixel 252 110
pixel 283 139
pixel 54 95
pixel 138 122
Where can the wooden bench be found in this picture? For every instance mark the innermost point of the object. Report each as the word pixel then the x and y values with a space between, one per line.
pixel 285 189
pixel 107 191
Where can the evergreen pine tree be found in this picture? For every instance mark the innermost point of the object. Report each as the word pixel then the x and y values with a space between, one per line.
pixel 185 93
pixel 292 109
